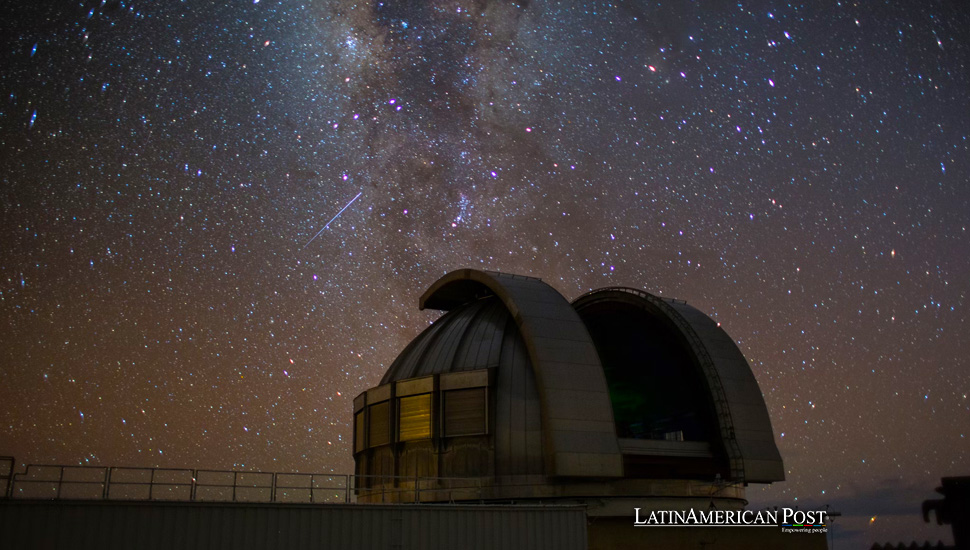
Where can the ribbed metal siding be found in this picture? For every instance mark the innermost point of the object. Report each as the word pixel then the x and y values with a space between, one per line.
pixel 518 420
pixel 156 525
pixel 479 335
pixel 468 338
pixel 578 432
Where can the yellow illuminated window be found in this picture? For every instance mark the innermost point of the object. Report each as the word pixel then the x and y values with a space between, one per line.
pixel 415 417
pixel 379 424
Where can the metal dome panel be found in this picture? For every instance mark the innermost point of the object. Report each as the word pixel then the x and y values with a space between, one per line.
pixel 579 437
pixel 467 338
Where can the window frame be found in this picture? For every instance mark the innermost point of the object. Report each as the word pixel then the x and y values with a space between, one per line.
pixel 486 425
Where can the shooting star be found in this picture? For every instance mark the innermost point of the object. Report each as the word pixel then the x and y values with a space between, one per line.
pixel 333 218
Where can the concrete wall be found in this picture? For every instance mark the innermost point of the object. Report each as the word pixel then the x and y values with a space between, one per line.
pixel 106 525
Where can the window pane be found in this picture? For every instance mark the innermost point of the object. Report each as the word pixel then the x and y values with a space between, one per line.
pixel 359 432
pixel 415 417
pixel 464 412
pixel 379 433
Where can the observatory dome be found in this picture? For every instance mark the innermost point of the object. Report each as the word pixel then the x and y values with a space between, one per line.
pixel 521 394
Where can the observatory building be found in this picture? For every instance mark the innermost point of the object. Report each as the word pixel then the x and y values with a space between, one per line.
pixel 516 420
pixel 618 400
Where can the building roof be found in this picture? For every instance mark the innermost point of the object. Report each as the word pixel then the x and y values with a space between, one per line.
pixel 579 437
pixel 567 354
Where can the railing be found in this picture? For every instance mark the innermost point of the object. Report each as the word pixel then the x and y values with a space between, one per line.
pixel 121 483
pixel 6 471
pixel 416 489
pixel 58 482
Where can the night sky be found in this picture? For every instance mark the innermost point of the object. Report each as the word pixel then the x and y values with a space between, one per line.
pixel 171 293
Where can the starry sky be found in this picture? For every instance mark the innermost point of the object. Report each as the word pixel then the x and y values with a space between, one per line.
pixel 217 217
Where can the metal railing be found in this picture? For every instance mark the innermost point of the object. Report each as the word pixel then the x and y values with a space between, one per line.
pixel 6 471
pixel 60 482
pixel 57 482
pixel 416 489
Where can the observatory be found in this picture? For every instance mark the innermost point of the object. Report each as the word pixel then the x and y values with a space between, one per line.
pixel 517 419
pixel 617 400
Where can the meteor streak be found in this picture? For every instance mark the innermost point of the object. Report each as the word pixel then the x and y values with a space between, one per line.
pixel 333 218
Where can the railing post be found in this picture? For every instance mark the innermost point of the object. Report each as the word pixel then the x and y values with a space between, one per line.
pixel 7 489
pixel 151 485
pixel 192 491
pixel 60 481
pixel 272 491
pixel 235 481
pixel 106 492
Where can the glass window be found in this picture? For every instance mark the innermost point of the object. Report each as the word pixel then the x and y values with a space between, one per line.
pixel 359 433
pixel 379 432
pixel 464 412
pixel 414 417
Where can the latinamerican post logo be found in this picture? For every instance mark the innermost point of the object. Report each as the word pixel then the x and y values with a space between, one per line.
pixel 788 519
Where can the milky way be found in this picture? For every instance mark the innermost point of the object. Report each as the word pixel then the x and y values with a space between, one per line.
pixel 797 171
